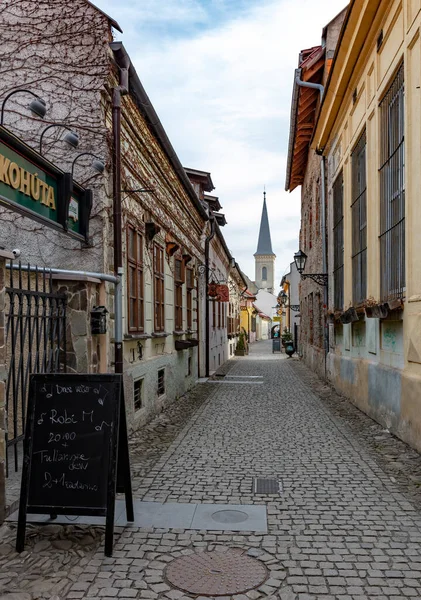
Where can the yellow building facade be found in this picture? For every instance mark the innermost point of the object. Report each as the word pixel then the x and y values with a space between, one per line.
pixel 369 131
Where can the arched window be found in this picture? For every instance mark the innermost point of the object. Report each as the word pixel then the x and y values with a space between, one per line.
pixel 264 274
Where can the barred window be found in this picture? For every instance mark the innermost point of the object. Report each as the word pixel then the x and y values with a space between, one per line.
pixel 190 287
pixel 359 220
pixel 161 382
pixel 338 242
pixel 138 394
pixel 135 279
pixel 392 191
pixel 159 291
pixel 178 294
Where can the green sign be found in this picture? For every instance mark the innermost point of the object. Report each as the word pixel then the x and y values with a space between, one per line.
pixel 38 189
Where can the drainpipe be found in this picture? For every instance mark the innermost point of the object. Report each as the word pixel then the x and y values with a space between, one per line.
pixel 324 247
pixel 318 86
pixel 197 326
pixel 207 324
pixel 123 63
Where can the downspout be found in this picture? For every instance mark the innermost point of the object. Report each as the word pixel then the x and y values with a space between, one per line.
pixel 207 324
pixel 320 87
pixel 197 326
pixel 123 63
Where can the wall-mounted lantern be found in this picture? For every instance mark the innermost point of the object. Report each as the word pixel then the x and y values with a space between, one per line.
pixel 99 320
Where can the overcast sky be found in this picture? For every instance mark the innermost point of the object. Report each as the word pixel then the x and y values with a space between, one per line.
pixel 219 74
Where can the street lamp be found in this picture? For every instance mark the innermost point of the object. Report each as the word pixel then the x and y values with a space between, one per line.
pixel 97 164
pixel 38 106
pixel 300 259
pixel 71 138
pixel 284 299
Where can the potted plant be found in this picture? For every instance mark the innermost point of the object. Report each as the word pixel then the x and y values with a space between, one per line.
pixel 286 337
pixel 349 316
pixel 240 349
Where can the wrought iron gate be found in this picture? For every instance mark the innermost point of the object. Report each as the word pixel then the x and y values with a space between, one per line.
pixel 35 343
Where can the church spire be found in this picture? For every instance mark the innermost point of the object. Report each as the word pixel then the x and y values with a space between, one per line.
pixel 264 245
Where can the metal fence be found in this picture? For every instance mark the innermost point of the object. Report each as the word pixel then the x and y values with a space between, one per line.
pixel 35 343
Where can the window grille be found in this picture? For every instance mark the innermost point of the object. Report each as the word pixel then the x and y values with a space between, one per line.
pixel 159 291
pixel 161 382
pixel 338 242
pixel 359 220
pixel 135 279
pixel 392 191
pixel 137 394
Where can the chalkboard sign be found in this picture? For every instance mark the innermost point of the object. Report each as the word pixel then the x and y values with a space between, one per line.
pixel 75 434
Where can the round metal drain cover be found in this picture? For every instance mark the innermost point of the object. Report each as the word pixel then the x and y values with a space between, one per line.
pixel 216 574
pixel 230 516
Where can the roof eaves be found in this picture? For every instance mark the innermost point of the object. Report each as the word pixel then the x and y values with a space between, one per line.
pixel 292 130
pixel 209 185
pixel 145 107
pixel 110 19
pixel 340 47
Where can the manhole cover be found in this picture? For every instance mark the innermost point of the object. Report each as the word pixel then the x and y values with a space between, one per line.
pixel 230 516
pixel 215 574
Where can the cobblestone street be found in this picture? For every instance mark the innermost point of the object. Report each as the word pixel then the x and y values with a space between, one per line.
pixel 339 526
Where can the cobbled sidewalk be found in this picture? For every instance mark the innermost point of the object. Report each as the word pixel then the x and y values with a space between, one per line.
pixel 341 528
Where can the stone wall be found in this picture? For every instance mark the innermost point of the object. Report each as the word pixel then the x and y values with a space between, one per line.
pixel 83 349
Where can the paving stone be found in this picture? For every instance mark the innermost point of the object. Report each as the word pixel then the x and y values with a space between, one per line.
pixel 341 529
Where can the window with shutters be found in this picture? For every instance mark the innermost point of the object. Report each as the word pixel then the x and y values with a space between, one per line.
pixel 190 287
pixel 159 289
pixel 178 294
pixel 135 291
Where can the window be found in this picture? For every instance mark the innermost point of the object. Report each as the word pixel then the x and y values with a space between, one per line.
pixel 311 319
pixel 264 274
pixel 158 272
pixel 137 394
pixel 359 221
pixel 190 287
pixel 392 191
pixel 161 382
pixel 135 279
pixel 219 315
pixel 231 319
pixel 338 242
pixel 253 324
pixel 214 313
pixel 178 294
pixel 189 364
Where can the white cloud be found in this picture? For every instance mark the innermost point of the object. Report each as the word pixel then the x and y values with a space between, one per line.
pixel 223 96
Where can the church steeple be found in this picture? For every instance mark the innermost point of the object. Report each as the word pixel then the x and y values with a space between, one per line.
pixel 264 245
pixel 264 256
